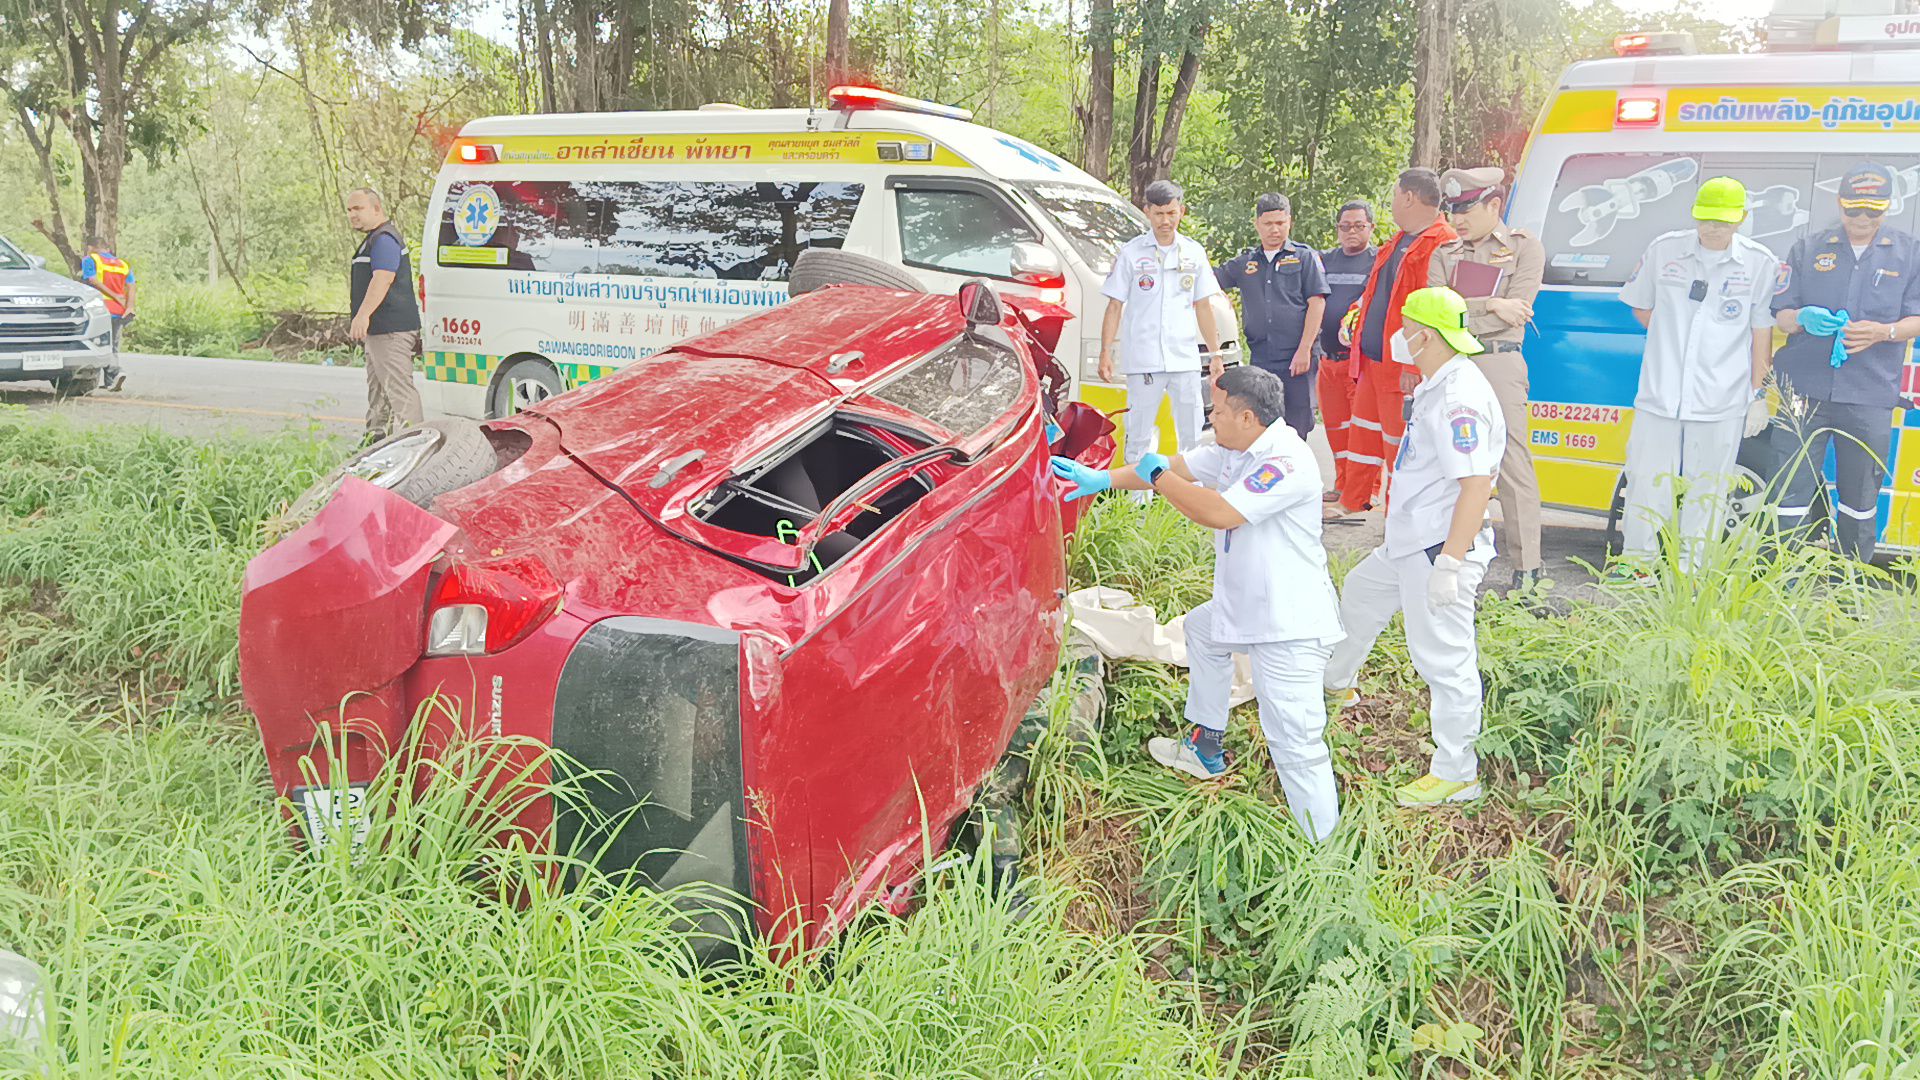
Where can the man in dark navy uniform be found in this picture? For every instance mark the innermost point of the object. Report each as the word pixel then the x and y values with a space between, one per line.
pixel 1849 302
pixel 1283 296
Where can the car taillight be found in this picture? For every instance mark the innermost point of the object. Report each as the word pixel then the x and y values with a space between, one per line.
pixel 484 609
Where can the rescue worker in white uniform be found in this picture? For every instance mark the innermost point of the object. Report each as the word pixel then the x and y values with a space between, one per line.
pixel 1438 544
pixel 1159 311
pixel 1258 487
pixel 1704 294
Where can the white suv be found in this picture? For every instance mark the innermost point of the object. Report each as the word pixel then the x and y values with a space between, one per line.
pixel 52 328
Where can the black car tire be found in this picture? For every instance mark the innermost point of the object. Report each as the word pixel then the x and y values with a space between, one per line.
pixel 77 384
pixel 816 268
pixel 464 456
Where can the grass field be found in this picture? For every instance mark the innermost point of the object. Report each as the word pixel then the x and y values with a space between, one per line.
pixel 1696 858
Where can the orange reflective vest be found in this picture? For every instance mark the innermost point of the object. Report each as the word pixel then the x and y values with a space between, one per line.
pixel 110 277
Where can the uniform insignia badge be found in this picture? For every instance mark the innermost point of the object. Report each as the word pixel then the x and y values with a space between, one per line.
pixel 1252 268
pixel 1465 425
pixel 1186 282
pixel 1825 261
pixel 1783 278
pixel 1145 283
pixel 1262 479
pixel 1732 310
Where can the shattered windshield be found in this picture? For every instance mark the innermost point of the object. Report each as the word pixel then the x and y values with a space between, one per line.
pixel 1095 220
pixel 963 388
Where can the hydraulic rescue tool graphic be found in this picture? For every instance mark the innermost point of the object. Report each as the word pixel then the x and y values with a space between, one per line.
pixel 1599 206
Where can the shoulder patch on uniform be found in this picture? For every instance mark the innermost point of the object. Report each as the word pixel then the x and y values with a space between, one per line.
pixel 1783 278
pixel 1270 472
pixel 1466 424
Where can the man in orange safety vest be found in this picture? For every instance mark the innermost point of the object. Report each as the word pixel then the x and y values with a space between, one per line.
pixel 111 275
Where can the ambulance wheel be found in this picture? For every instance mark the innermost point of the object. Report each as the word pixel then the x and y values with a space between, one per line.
pixel 521 385
pixel 817 268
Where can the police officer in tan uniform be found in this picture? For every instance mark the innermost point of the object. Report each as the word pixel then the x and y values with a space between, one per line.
pixel 1497 314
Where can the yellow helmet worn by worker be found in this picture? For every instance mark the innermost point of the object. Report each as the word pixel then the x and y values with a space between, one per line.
pixel 1721 199
pixel 1444 310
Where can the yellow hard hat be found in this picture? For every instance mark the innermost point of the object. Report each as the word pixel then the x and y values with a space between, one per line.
pixel 1446 311
pixel 1721 199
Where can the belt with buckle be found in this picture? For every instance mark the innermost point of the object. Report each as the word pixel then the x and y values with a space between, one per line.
pixel 1503 346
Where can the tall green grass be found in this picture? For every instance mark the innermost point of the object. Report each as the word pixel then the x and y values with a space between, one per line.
pixel 1695 858
pixel 1702 793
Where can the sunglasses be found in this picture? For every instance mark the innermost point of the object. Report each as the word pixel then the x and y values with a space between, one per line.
pixel 1865 211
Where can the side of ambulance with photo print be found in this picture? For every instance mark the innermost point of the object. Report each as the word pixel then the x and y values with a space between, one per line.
pixel 563 247
pixel 1614 162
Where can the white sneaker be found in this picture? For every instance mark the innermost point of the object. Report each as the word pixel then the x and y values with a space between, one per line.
pixel 1181 756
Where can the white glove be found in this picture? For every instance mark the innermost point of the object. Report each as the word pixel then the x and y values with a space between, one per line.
pixel 1757 417
pixel 1443 585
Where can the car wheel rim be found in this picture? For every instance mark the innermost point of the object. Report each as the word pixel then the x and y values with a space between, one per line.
pixel 389 462
pixel 523 394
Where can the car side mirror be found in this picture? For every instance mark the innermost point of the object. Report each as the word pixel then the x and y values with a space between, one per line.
pixel 38 262
pixel 1038 266
pixel 979 304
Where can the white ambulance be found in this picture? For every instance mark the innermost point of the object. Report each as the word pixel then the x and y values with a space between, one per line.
pixel 1614 161
pixel 564 246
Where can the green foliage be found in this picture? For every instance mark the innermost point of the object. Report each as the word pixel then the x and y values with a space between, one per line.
pixel 185 320
pixel 130 545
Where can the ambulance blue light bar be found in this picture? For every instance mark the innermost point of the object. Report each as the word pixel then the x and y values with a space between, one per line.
pixel 867 97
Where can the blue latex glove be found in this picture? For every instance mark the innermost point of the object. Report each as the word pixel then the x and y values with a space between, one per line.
pixel 1821 321
pixel 1839 340
pixel 1149 464
pixel 1085 481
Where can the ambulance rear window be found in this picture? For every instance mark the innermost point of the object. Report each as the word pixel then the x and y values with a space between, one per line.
pixel 1606 208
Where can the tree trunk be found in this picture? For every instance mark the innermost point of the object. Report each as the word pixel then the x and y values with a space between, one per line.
pixel 1096 142
pixel 1432 69
pixel 838 15
pixel 1177 108
pixel 543 32
pixel 586 56
pixel 1146 99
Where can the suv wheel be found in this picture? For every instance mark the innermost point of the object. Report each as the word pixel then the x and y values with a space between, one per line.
pixel 76 384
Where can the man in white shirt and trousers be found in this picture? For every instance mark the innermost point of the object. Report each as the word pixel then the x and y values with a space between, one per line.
pixel 1258 487
pixel 1158 312
pixel 1705 296
pixel 1438 542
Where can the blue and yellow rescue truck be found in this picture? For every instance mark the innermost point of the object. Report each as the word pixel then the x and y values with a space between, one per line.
pixel 1613 162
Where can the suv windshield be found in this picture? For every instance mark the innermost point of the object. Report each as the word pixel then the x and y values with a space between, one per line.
pixel 10 257
pixel 1095 220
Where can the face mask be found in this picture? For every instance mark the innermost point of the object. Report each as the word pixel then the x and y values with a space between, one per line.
pixel 1399 349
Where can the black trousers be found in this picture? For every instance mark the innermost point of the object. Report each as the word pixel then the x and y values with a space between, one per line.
pixel 1298 390
pixel 1860 436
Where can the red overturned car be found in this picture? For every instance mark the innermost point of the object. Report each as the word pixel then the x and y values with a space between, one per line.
pixel 789 585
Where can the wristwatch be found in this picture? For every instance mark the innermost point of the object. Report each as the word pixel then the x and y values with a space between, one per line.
pixel 1153 477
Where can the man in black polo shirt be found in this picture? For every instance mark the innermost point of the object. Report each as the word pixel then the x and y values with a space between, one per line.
pixel 1283 295
pixel 1347 264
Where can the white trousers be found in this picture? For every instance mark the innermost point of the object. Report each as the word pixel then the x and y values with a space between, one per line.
pixel 1441 643
pixel 1143 410
pixel 1701 455
pixel 1287 677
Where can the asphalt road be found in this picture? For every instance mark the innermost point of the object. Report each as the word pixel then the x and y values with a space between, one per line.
pixel 199 396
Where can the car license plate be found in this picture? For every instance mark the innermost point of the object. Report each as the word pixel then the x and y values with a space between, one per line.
pixel 331 812
pixel 42 361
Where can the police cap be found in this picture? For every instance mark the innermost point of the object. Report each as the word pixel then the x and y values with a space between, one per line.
pixel 1463 189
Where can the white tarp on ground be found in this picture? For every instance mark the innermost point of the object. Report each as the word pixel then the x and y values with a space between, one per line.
pixel 1122 628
